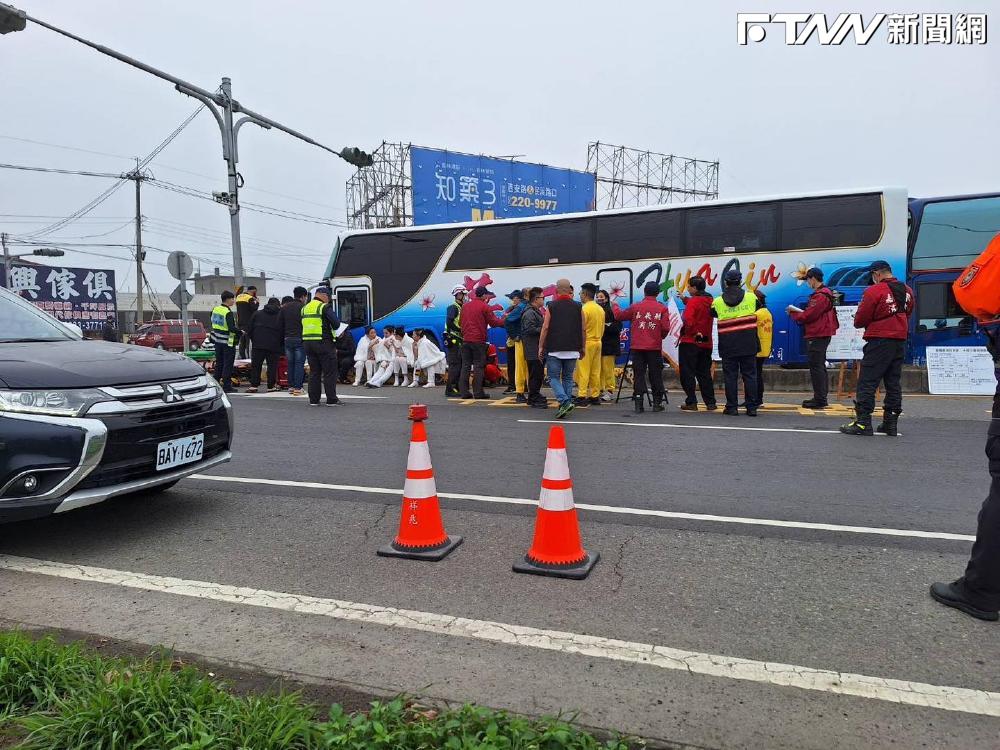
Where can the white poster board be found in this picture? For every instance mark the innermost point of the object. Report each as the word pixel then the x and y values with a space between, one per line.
pixel 960 370
pixel 848 342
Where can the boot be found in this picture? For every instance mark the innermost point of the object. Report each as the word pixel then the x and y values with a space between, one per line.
pixel 639 402
pixel 890 421
pixel 862 424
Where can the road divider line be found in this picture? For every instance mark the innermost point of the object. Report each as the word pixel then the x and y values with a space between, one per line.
pixel 965 700
pixel 687 426
pixel 263 396
pixel 650 512
pixel 682 426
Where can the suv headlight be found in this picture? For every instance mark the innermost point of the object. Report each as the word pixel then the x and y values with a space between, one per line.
pixel 67 403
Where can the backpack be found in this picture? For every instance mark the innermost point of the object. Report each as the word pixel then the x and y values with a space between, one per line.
pixel 833 308
pixel 977 288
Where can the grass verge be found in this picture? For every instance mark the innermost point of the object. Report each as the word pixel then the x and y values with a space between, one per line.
pixel 63 697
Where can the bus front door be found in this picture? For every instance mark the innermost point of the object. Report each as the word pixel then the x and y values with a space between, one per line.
pixel 938 319
pixel 354 305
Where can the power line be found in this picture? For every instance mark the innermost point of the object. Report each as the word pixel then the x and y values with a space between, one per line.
pixel 256 207
pixel 52 170
pixel 110 191
pixel 66 148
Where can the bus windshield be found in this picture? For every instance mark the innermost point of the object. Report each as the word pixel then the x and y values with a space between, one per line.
pixel 952 233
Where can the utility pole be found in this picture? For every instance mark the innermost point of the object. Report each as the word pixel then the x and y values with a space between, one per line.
pixel 138 177
pixel 6 261
pixel 12 19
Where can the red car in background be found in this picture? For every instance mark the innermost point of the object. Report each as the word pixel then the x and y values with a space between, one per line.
pixel 169 335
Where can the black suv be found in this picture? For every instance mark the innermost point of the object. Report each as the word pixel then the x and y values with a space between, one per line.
pixel 83 421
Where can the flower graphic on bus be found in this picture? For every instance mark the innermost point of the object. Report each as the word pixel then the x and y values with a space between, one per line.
pixel 427 302
pixel 617 290
pixel 799 274
pixel 483 281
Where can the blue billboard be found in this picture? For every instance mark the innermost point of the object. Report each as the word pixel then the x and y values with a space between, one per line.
pixel 84 296
pixel 449 186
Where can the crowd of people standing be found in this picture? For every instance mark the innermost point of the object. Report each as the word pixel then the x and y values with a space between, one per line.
pixel 572 343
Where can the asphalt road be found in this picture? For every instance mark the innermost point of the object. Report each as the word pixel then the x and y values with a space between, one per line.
pixel 770 619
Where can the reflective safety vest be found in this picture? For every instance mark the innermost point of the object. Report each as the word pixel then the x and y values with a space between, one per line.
pixel 453 330
pixel 312 321
pixel 220 328
pixel 737 326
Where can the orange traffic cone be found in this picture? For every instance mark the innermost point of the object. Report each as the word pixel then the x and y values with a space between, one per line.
pixel 421 532
pixel 556 549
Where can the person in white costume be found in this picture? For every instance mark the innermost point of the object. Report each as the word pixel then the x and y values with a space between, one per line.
pixel 427 357
pixel 402 346
pixel 404 343
pixel 384 354
pixel 364 356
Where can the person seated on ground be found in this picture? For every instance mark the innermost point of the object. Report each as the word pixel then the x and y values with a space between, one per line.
pixel 404 343
pixel 427 357
pixel 397 353
pixel 383 358
pixel 345 355
pixel 492 373
pixel 364 355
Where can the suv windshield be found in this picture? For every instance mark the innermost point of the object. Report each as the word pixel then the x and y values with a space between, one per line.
pixel 22 321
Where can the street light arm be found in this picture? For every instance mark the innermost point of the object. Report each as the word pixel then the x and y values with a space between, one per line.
pixel 210 106
pixel 127 60
pixel 268 122
pixel 236 132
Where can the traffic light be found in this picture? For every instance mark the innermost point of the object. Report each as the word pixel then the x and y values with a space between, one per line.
pixel 11 19
pixel 357 157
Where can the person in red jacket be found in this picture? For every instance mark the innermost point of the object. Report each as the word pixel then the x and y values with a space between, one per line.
pixel 884 313
pixel 477 319
pixel 695 347
pixel 820 322
pixel 650 325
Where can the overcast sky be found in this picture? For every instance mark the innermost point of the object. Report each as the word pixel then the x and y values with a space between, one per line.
pixel 534 78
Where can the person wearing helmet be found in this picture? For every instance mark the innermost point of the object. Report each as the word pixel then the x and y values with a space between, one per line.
pixel 453 340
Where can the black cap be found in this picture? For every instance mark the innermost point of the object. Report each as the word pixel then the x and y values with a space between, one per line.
pixel 651 289
pixel 815 273
pixel 880 265
pixel 323 290
pixel 519 293
pixel 733 277
pixel 482 291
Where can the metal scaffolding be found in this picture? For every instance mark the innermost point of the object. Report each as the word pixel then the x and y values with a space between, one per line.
pixel 381 195
pixel 628 177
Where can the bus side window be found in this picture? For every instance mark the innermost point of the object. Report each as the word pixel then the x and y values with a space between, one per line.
pixel 937 309
pixel 641 236
pixel 838 221
pixel 560 242
pixel 749 228
pixel 484 248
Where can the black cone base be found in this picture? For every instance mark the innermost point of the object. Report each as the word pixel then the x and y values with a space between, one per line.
pixel 577 572
pixel 431 555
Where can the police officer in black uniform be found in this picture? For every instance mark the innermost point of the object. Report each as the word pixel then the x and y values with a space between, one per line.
pixel 977 593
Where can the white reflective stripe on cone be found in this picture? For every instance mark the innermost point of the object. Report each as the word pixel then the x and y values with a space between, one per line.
pixel 420 456
pixel 556 464
pixel 555 499
pixel 419 489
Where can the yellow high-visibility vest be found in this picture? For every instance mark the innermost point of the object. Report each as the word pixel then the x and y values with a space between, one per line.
pixel 312 320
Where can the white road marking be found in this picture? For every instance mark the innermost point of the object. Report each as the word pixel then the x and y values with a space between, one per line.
pixel 303 398
pixel 965 700
pixel 681 426
pixel 915 533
